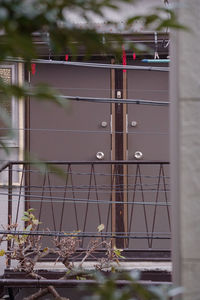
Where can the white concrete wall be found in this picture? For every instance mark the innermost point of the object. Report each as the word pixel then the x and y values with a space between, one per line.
pixel 4 211
pixel 185 149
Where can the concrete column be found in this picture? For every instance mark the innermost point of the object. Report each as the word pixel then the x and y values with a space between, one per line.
pixel 185 149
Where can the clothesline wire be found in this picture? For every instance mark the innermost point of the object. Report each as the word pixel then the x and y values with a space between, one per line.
pixel 93 190
pixel 19 170
pixel 50 199
pixel 108 89
pixel 82 131
pixel 112 100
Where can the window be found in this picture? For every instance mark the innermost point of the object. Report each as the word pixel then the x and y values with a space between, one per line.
pixel 11 73
pixel 9 104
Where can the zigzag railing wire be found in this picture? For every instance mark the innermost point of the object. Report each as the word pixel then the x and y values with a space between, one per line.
pixel 84 196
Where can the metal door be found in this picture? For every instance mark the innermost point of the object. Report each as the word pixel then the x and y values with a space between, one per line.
pixel 148 141
pixel 130 199
pixel 75 134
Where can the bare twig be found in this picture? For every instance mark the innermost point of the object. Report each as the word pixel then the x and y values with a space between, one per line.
pixel 27 250
pixel 38 294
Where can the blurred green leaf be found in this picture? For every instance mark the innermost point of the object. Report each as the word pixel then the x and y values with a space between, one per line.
pixel 31 210
pixel 5 147
pixel 25 218
pixel 43 166
pixel 29 227
pixel 2 252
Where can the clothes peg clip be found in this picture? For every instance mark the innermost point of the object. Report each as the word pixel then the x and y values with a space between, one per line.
pixel 156 55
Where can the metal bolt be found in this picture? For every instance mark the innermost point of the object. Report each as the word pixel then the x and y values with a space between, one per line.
pixel 119 94
pixel 100 155
pixel 104 124
pixel 133 123
pixel 138 155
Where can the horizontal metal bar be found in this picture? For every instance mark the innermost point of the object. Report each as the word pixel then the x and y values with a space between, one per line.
pixel 52 199
pixel 90 65
pixel 88 173
pixel 82 131
pixel 93 189
pixel 68 282
pixel 112 100
pixel 83 235
pixel 97 234
pixel 130 255
pixel 101 188
pixel 106 162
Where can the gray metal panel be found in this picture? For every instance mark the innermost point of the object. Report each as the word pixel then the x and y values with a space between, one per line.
pixel 76 202
pixel 75 142
pixel 150 136
pixel 78 117
pixel 150 215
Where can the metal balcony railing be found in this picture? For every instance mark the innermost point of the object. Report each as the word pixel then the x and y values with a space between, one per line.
pixel 130 198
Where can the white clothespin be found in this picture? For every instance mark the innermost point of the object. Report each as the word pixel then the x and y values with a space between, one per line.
pixel 156 56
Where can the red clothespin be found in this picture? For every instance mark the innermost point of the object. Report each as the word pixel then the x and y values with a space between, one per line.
pixel 124 58
pixel 33 69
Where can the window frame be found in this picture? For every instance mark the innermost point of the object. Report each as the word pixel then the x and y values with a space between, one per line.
pixel 12 142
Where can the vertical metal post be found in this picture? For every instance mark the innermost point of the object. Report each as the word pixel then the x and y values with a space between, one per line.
pixel 119 155
pixel 10 189
pixel 27 140
pixel 113 167
pixel 10 182
pixel 125 166
pixel 175 142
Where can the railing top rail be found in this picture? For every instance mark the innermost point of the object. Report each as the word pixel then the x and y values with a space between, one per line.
pixel 107 162
pixel 91 65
